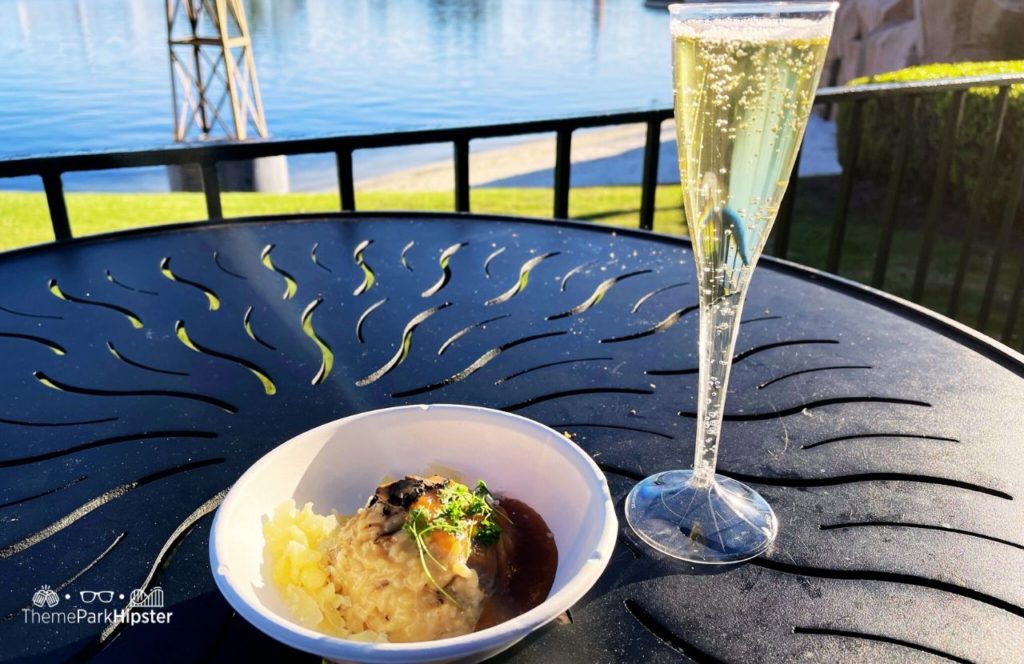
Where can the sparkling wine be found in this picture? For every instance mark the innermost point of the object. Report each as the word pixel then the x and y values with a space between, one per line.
pixel 743 91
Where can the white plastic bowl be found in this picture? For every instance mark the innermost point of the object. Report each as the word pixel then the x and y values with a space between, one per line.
pixel 338 465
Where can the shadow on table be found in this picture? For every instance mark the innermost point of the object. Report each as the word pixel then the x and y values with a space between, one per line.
pixel 638 547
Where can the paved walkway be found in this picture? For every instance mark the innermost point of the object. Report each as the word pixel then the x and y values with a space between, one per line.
pixel 601 157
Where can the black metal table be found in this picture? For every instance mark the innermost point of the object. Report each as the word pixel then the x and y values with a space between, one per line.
pixel 143 372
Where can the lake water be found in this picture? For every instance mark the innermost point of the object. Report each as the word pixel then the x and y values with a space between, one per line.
pixel 85 75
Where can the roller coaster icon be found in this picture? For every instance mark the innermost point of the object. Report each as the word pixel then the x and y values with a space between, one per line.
pixel 154 600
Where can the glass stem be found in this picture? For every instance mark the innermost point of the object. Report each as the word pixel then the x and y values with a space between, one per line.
pixel 719 324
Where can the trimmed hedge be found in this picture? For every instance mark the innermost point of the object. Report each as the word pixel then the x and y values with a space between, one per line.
pixel 881 127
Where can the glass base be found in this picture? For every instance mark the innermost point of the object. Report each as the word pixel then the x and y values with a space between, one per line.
pixel 723 522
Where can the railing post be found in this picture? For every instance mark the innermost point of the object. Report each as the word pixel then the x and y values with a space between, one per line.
pixel 780 245
pixel 980 198
pixel 563 165
pixel 649 185
pixel 211 189
pixel 1005 235
pixel 835 245
pixel 1014 311
pixel 892 194
pixel 939 188
pixel 346 186
pixel 461 157
pixel 58 206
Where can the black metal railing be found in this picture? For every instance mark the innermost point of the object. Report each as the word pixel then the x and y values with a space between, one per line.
pixel 207 156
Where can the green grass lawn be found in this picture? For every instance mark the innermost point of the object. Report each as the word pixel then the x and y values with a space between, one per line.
pixel 24 221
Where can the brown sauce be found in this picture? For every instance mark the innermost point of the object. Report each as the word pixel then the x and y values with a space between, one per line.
pixel 532 561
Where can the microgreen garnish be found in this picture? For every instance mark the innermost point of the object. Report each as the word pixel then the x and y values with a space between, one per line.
pixel 462 514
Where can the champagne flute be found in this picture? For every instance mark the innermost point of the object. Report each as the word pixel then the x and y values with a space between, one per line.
pixel 744 77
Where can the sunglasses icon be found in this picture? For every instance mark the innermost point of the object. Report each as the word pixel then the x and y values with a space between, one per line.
pixel 89 596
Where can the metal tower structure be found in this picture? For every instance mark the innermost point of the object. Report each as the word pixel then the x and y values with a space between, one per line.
pixel 211 64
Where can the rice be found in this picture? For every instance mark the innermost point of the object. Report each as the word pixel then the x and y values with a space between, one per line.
pixel 341 577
